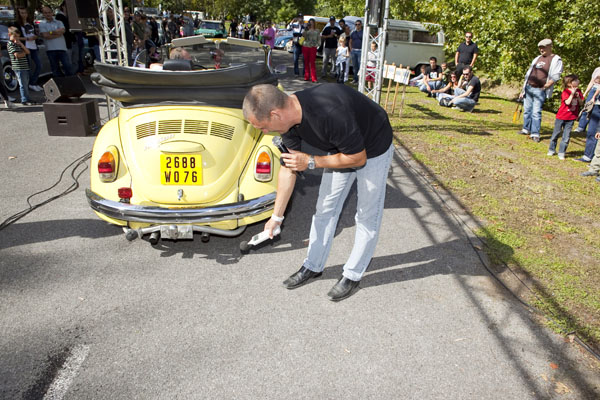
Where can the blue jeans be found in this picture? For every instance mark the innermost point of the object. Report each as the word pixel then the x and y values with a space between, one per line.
pixel 532 109
pixel 590 140
pixel 34 74
pixel 54 56
pixel 565 127
pixel 355 54
pixel 23 78
pixel 464 103
pixel 583 121
pixel 335 185
pixel 297 55
pixel 434 85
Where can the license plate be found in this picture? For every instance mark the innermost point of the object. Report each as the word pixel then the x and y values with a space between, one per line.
pixel 180 169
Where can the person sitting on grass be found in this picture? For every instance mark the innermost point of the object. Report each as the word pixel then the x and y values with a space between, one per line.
pixel 571 101
pixel 433 77
pixel 465 100
pixel 445 74
pixel 448 90
pixel 418 80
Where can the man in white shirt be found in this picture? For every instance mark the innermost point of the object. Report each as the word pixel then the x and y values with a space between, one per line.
pixel 56 47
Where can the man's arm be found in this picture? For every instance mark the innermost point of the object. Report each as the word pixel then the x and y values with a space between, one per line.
pixel 298 161
pixel 474 58
pixel 456 58
pixel 465 94
pixel 285 187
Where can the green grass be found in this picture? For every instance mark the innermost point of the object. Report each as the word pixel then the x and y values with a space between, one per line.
pixel 538 215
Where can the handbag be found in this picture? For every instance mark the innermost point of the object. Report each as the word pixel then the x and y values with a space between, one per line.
pixel 301 41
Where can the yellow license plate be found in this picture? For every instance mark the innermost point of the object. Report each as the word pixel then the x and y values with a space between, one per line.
pixel 180 169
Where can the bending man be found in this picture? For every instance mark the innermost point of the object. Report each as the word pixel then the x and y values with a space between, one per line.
pixel 357 134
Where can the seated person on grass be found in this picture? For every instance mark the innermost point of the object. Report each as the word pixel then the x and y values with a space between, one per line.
pixel 417 80
pixel 448 90
pixel 465 100
pixel 433 77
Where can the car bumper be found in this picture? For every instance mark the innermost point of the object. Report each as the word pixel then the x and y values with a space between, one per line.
pixel 199 215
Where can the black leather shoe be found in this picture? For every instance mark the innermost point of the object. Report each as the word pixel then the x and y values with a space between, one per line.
pixel 301 277
pixel 343 288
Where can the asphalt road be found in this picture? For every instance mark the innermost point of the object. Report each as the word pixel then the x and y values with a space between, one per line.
pixel 86 314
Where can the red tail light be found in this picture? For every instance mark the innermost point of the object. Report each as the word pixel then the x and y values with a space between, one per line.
pixel 107 165
pixel 263 171
pixel 125 193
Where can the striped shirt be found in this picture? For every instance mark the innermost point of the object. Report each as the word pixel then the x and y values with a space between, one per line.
pixel 18 64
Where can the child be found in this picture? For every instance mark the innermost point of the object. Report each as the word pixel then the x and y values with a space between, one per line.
pixel 371 65
pixel 341 60
pixel 445 74
pixel 571 99
pixel 417 80
pixel 18 58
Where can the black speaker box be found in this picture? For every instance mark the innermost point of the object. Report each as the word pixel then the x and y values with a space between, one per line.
pixel 83 15
pixel 76 118
pixel 61 89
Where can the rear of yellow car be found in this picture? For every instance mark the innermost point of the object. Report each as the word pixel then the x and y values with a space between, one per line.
pixel 170 171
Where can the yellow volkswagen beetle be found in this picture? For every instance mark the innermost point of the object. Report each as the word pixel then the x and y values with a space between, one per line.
pixel 180 158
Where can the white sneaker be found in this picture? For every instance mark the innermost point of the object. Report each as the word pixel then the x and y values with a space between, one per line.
pixel 578 130
pixel 9 104
pixel 561 156
pixel 35 88
pixel 550 153
pixel 12 99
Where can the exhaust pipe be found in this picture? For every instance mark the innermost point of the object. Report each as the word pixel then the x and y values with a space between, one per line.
pixel 154 236
pixel 205 237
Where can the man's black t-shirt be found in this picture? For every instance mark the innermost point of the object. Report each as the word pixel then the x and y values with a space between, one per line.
pixel 476 88
pixel 331 43
pixel 467 52
pixel 338 119
pixel 433 73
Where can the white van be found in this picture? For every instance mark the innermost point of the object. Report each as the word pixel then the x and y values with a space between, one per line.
pixel 409 43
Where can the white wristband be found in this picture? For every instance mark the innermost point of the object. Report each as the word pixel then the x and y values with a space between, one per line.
pixel 276 218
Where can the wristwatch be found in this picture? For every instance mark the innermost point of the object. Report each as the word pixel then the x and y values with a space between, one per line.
pixel 311 162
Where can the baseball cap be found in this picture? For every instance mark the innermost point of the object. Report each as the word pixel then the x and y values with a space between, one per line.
pixel 332 18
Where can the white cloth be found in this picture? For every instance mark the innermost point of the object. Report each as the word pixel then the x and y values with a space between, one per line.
pixel 554 73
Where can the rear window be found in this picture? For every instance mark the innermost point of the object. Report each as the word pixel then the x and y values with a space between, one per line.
pixel 399 35
pixel 211 25
pixel 424 37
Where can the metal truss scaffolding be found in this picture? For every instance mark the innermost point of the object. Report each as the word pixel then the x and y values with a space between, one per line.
pixel 372 13
pixel 113 45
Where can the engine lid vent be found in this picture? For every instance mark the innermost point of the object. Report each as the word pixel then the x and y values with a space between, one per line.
pixel 195 127
pixel 145 130
pixel 221 130
pixel 169 127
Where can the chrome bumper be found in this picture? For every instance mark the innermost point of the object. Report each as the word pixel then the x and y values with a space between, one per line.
pixel 160 215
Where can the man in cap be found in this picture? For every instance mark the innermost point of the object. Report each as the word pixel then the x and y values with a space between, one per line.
pixel 544 72
pixel 330 34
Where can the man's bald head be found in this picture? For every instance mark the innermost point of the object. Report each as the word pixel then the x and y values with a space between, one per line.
pixel 179 53
pixel 261 100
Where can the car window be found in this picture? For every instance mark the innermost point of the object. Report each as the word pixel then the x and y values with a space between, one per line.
pixel 3 32
pixel 424 37
pixel 211 25
pixel 398 35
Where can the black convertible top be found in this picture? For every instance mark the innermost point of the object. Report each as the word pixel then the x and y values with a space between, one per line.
pixel 224 87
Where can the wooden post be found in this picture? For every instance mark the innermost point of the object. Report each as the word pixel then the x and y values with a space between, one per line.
pixel 402 102
pixel 395 91
pixel 389 89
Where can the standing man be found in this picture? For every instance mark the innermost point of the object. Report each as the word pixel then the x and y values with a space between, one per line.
pixel 357 134
pixel 56 48
pixel 355 46
pixel 544 72
pixel 72 48
pixel 297 28
pixel 330 34
pixel 128 35
pixel 466 54
pixel 138 26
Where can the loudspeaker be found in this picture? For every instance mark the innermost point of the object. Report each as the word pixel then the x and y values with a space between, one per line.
pixel 83 15
pixel 61 89
pixel 375 13
pixel 78 118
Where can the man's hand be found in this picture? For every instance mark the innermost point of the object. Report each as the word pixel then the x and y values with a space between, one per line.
pixel 270 226
pixel 296 161
pixel 521 95
pixel 597 135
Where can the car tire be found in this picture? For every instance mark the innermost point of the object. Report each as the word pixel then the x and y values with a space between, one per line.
pixel 10 77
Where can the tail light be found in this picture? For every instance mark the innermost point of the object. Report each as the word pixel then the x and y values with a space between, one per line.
pixel 108 165
pixel 125 194
pixel 263 170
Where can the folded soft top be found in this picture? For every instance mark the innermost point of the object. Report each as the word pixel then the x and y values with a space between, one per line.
pixel 224 87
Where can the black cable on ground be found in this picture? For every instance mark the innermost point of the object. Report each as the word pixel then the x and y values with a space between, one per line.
pixel 78 162
pixel 552 317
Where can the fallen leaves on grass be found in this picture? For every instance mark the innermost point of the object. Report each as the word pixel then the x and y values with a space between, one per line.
pixel 548 236
pixel 553 366
pixel 561 388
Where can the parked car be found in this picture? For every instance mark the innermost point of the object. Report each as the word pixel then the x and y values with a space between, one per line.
pixel 211 29
pixel 282 38
pixel 10 78
pixel 180 157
